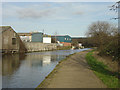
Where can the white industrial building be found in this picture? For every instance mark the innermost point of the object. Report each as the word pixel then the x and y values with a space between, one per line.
pixel 46 39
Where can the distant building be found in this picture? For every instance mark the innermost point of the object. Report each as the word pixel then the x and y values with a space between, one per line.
pixel 25 37
pixel 63 39
pixel 10 40
pixel 37 37
pixel 47 38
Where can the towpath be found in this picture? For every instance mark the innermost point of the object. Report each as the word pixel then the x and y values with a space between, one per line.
pixel 73 73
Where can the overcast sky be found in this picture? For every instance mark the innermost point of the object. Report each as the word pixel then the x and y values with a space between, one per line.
pixel 64 18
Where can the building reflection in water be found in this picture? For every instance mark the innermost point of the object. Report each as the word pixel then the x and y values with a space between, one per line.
pixel 28 70
pixel 10 63
pixel 46 59
pixel 37 60
pixel 0 63
pixel 0 71
pixel 20 70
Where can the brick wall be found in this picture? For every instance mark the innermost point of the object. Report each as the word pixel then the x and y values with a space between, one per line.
pixel 66 44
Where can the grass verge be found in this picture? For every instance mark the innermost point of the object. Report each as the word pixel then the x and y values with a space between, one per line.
pixel 108 77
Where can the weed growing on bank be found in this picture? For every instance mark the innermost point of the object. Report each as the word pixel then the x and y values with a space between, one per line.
pixel 108 77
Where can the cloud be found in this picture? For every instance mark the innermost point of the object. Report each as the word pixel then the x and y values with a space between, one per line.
pixel 54 11
pixel 50 11
pixel 34 13
pixel 28 11
pixel 58 0
pixel 78 13
pixel 9 11
pixel 64 17
pixel 46 11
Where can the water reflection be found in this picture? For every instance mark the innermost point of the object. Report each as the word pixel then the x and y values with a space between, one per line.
pixel 0 70
pixel 34 60
pixel 28 70
pixel 46 60
pixel 11 63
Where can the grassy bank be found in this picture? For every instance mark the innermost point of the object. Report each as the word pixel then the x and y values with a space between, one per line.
pixel 108 77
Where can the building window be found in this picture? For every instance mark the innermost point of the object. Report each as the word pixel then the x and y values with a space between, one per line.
pixel 13 41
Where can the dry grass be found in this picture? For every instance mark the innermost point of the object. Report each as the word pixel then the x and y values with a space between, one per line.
pixel 113 65
pixel 102 71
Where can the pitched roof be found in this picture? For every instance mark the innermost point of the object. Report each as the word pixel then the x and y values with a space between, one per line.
pixel 59 35
pixel 4 28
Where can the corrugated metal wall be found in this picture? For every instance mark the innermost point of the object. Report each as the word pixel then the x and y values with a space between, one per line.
pixel 37 37
pixel 64 38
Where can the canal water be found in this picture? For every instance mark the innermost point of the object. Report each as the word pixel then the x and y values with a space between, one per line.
pixel 30 69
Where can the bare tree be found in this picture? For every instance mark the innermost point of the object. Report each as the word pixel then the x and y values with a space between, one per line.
pixel 100 33
pixel 116 7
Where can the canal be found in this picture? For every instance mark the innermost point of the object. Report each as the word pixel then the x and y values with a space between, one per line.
pixel 30 69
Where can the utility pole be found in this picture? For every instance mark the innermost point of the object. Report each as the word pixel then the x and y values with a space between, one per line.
pixel 119 17
pixel 116 7
pixel 55 37
pixel 43 31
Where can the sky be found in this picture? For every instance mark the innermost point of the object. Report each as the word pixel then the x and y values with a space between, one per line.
pixel 65 18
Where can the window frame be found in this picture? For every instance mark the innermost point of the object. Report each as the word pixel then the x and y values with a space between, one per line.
pixel 14 40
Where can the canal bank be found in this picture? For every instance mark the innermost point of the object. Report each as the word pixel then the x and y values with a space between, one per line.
pixel 72 72
pixel 38 47
pixel 30 69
